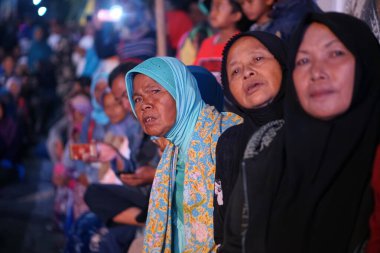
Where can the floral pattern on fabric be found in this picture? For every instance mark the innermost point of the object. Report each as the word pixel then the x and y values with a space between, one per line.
pixel 198 188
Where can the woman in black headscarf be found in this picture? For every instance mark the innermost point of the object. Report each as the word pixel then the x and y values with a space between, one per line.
pixel 253 72
pixel 310 190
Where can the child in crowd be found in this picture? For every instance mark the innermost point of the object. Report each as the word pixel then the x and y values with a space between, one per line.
pixel 227 18
pixel 279 17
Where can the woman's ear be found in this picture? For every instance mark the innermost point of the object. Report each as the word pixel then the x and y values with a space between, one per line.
pixel 237 16
pixel 270 2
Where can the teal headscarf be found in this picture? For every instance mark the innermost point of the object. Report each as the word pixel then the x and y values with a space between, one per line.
pixel 98 113
pixel 173 76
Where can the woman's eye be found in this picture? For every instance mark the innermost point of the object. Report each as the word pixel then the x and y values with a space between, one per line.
pixel 337 53
pixel 235 72
pixel 302 61
pixel 156 91
pixel 259 58
pixel 137 100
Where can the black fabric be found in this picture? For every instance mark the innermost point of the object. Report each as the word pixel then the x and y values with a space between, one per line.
pixel 232 143
pixel 106 200
pixel 316 195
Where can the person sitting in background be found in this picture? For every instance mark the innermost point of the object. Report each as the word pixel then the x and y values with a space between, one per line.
pixel 191 41
pixel 137 37
pixel 10 140
pixel 279 17
pixel 7 69
pixel 39 50
pixel 227 18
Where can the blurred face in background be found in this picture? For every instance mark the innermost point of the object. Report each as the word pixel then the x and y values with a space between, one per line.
pixel 113 108
pixel 254 74
pixel 8 65
pixel 257 10
pixel 99 89
pixel 222 14
pixel 120 92
pixel 154 106
pixel 324 73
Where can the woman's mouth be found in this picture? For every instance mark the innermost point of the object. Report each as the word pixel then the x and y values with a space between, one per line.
pixel 321 93
pixel 253 87
pixel 148 120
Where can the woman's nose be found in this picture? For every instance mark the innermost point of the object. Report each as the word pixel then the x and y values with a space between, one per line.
pixel 317 71
pixel 249 73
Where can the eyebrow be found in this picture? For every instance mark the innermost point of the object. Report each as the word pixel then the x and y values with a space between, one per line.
pixel 328 44
pixel 149 86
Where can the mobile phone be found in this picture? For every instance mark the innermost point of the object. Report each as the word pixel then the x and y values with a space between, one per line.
pixel 80 150
pixel 119 173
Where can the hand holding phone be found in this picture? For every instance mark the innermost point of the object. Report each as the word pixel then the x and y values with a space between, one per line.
pixel 83 151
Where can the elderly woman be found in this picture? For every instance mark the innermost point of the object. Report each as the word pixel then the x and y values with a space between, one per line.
pixel 314 191
pixel 253 75
pixel 165 98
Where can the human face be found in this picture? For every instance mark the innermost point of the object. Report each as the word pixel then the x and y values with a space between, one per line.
pixel 221 15
pixel 254 75
pixel 154 106
pixel 99 89
pixel 120 92
pixel 324 73
pixel 114 110
pixel 257 10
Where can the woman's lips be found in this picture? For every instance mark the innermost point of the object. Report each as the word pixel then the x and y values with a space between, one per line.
pixel 253 87
pixel 321 93
pixel 149 120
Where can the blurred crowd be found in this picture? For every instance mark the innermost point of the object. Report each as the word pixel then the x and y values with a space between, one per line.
pixel 65 83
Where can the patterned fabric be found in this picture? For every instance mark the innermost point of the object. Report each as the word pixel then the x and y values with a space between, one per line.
pixel 198 188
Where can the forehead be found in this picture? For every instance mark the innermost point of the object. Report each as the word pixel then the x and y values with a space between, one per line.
pixel 109 98
pixel 142 82
pixel 119 82
pixel 247 44
pixel 317 34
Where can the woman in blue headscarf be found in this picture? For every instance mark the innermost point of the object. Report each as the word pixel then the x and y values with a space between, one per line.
pixel 166 100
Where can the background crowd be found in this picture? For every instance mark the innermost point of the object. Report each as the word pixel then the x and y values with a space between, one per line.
pixel 64 83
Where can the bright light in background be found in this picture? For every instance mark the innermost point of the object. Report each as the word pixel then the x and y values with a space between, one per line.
pixel 36 2
pixel 116 12
pixel 41 11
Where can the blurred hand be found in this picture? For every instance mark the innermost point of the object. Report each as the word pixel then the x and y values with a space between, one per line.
pixel 105 152
pixel 143 175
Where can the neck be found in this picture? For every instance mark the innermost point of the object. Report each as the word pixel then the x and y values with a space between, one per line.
pixel 226 33
pixel 263 20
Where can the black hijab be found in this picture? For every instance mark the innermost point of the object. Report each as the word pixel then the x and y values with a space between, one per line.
pixel 317 196
pixel 276 47
pixel 232 143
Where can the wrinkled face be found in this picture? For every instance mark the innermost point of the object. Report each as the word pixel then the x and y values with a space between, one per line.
pixel 257 10
pixel 221 15
pixel 99 89
pixel 155 107
pixel 324 73
pixel 254 75
pixel 114 110
pixel 120 92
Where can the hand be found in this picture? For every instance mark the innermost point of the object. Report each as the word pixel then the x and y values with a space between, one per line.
pixel 143 175
pixel 105 152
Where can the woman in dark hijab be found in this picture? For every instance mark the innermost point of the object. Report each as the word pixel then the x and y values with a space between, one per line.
pixel 253 72
pixel 310 190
